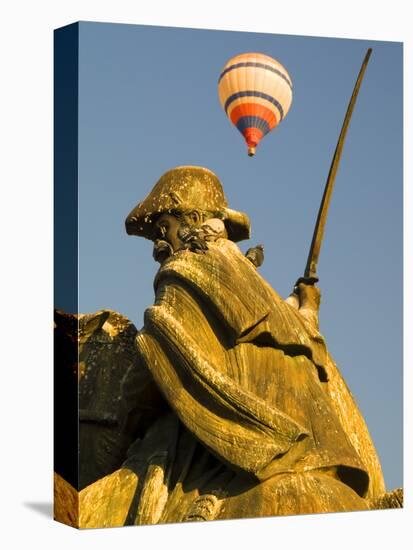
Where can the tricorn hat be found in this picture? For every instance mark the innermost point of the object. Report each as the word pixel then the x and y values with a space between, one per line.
pixel 187 188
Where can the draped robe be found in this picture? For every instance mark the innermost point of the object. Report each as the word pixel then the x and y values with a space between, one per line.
pixel 249 415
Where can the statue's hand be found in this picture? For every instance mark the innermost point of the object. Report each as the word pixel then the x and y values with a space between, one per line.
pixel 307 281
pixel 308 298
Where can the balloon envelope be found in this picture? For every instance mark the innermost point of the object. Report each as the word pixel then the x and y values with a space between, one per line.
pixel 256 92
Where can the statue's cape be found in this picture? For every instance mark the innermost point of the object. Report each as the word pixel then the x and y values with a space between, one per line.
pixel 214 318
pixel 230 284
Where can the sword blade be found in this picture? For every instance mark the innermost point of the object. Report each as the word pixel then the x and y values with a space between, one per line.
pixel 312 261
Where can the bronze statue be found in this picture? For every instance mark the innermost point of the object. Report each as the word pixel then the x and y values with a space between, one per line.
pixel 227 403
pixel 240 409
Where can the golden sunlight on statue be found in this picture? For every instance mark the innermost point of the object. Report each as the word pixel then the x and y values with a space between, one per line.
pixel 230 406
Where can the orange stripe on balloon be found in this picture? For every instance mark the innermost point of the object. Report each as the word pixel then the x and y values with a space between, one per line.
pixel 254 109
pixel 252 136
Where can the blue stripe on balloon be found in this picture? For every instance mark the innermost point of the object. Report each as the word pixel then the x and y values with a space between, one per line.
pixel 253 122
pixel 258 65
pixel 253 93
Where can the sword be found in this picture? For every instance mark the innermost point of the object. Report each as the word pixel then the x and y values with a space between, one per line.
pixel 310 273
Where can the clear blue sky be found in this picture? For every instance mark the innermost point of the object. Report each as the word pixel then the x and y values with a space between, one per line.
pixel 148 102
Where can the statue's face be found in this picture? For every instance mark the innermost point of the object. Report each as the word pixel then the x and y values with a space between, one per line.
pixel 167 240
pixel 187 231
pixel 167 227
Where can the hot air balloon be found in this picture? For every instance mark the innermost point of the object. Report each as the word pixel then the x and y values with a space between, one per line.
pixel 256 92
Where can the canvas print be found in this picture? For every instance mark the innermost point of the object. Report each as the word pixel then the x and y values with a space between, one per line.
pixel 228 275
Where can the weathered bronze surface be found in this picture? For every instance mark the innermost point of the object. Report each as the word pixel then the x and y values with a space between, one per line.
pixel 226 404
pixel 106 352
